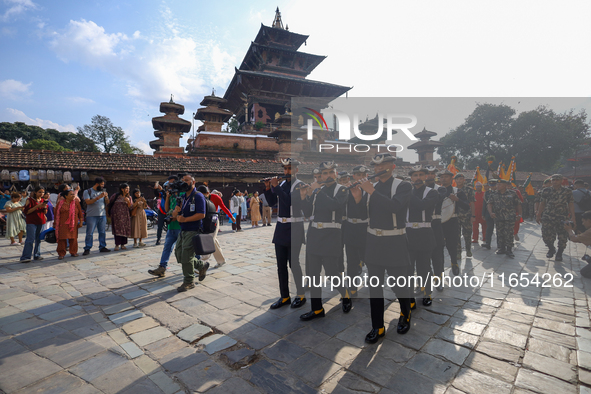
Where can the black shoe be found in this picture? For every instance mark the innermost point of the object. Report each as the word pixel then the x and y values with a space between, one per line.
pixel 486 246
pixel 203 271
pixel 509 253
pixel 468 252
pixel 279 303
pixel 501 251
pixel 428 301
pixel 551 251
pixel 347 305
pixel 559 255
pixel 157 242
pixel 297 302
pixel 38 258
pixel 104 250
pixel 86 252
pixel 374 335
pixel 311 315
pixel 413 304
pixel 403 324
pixel 185 286
pixel 455 269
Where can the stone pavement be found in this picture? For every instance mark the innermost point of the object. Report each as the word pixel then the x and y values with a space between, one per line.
pixel 101 324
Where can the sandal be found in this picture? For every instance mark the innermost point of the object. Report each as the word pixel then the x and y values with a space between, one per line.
pixel 117 248
pixel 74 255
pixel 123 247
pixel 60 257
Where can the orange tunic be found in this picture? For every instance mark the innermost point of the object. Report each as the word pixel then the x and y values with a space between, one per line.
pixel 64 229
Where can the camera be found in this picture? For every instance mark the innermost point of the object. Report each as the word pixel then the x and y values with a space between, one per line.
pixel 168 219
pixel 586 258
pixel 178 187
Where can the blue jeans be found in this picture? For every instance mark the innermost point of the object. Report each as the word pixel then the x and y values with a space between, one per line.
pixel 33 233
pixel 169 242
pixel 93 222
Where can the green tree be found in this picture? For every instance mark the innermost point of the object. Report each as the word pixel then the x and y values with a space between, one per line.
pixel 45 145
pixel 232 126
pixel 19 134
pixel 110 138
pixel 537 138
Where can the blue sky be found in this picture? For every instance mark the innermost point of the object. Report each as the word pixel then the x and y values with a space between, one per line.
pixel 66 61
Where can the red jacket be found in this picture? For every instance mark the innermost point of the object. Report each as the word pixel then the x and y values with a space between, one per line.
pixel 217 201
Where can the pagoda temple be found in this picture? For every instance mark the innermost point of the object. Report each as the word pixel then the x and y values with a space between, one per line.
pixel 169 129
pixel 425 147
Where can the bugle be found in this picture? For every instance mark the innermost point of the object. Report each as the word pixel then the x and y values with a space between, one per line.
pixel 357 183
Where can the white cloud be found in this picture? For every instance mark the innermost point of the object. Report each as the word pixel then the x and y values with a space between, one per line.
pixel 14 115
pixel 16 7
pixel 80 100
pixel 152 67
pixel 145 147
pixel 14 90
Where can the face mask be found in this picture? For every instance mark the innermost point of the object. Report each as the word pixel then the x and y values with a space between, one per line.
pixel 99 188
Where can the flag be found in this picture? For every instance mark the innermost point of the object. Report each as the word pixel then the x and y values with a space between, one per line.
pixel 514 174
pixel 501 171
pixel 479 177
pixel 452 167
pixel 528 187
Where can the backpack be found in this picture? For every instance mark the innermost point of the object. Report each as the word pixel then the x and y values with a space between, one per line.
pixel 68 176
pixel 585 203
pixel 42 175
pixel 23 175
pixel 34 175
pixel 84 176
pixel 50 175
pixel 14 177
pixel 5 175
pixel 59 176
pixel 210 221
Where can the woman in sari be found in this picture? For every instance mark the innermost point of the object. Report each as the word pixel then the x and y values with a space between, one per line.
pixel 139 221
pixel 68 219
pixel 255 212
pixel 119 208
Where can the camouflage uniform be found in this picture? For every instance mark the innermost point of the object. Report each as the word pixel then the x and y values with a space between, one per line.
pixel 504 206
pixel 490 222
pixel 465 220
pixel 555 211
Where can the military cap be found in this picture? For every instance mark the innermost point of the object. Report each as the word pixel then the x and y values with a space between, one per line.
pixel 417 168
pixel 360 169
pixel 492 181
pixel 289 162
pixel 504 181
pixel 382 158
pixel 343 174
pixel 431 168
pixel 446 172
pixel 327 165
pixel 316 171
pixel 459 175
pixel 556 176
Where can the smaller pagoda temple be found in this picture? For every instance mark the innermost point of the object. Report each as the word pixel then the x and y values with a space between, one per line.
pixel 425 147
pixel 169 129
pixel 212 115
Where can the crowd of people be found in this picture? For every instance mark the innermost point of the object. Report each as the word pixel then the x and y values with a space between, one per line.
pixel 400 225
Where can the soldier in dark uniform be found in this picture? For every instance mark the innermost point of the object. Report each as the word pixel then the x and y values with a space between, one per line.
pixel 421 239
pixel 465 217
pixel 355 228
pixel 343 178
pixel 502 206
pixel 289 232
pixel 324 243
pixel 490 222
pixel 557 206
pixel 387 246
pixel 451 227
pixel 437 257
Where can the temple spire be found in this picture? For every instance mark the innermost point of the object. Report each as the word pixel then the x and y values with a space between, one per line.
pixel 277 23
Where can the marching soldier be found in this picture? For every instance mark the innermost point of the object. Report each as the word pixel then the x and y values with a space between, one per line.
pixel 502 206
pixel 289 232
pixel 343 178
pixel 386 248
pixel 465 217
pixel 538 197
pixel 355 228
pixel 451 227
pixel 490 222
pixel 421 239
pixel 556 207
pixel 437 258
pixel 324 243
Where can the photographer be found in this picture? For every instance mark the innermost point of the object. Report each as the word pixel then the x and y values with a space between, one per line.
pixel 173 232
pixel 160 194
pixel 584 238
pixel 189 214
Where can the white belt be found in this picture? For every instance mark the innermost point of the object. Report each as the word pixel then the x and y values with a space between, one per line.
pixel 311 218
pixel 435 217
pixel 382 233
pixel 355 221
pixel 322 225
pixel 289 220
pixel 418 224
